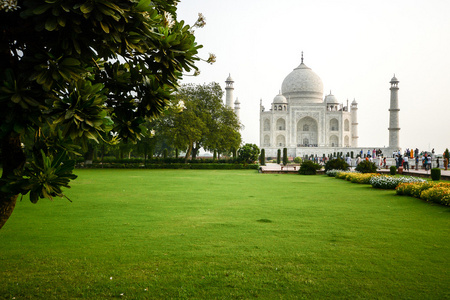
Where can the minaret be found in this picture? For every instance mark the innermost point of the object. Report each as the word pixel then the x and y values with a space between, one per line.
pixel 394 126
pixel 354 113
pixel 237 107
pixel 229 92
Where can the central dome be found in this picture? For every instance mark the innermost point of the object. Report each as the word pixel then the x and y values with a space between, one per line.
pixel 303 85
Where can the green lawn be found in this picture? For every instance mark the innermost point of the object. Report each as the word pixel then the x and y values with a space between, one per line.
pixel 208 234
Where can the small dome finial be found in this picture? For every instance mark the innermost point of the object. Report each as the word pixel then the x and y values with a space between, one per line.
pixel 302 56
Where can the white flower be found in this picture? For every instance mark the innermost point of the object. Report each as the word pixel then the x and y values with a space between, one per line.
pixel 9 5
pixel 201 21
pixel 211 58
pixel 181 105
pixel 168 20
pixel 152 132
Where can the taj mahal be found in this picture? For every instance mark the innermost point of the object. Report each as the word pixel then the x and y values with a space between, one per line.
pixel 305 122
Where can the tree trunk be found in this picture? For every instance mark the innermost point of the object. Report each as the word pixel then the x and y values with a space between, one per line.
pixel 188 153
pixel 13 159
pixel 89 155
pixel 194 152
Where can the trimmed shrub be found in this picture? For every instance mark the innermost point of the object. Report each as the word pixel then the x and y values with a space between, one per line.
pixel 298 160
pixel 285 156
pixel 262 157
pixel 309 168
pixel 279 156
pixel 336 164
pixel 392 170
pixel 435 174
pixel 366 167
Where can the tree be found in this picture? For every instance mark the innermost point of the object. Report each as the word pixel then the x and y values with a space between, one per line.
pixel 262 158
pixel 70 71
pixel 248 153
pixel 204 121
pixel 285 157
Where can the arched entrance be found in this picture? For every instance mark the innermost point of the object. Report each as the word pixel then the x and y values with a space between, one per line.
pixel 307 132
pixel 334 141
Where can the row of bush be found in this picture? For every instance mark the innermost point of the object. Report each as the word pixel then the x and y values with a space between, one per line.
pixel 157 160
pixel 209 166
pixel 404 185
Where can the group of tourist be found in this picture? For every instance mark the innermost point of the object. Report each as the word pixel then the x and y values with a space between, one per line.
pixel 402 160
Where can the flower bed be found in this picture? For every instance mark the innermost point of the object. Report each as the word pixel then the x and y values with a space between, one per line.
pixel 345 174
pixel 334 172
pixel 428 191
pixel 352 176
pixel 391 182
pixel 362 178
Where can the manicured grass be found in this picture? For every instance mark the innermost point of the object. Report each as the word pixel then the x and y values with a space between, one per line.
pixel 219 234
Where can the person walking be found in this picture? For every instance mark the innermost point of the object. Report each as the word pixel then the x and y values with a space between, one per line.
pixel 417 162
pixel 429 162
pixel 405 162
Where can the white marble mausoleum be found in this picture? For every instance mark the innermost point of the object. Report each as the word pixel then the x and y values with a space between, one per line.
pixel 305 122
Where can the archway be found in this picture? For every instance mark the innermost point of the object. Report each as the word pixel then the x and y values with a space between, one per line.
pixel 307 132
pixel 266 125
pixel 334 125
pixel 346 125
pixel 281 124
pixel 281 141
pixel 334 141
pixel 347 141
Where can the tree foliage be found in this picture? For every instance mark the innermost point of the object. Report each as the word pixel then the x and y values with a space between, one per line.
pixel 336 164
pixel 248 153
pixel 308 167
pixel 204 121
pixel 71 71
pixel 366 166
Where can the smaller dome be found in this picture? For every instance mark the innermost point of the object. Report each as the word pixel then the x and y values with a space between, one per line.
pixel 280 99
pixel 354 102
pixel 237 101
pixel 394 79
pixel 331 99
pixel 229 78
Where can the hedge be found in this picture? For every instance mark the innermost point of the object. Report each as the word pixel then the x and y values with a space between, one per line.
pixel 205 166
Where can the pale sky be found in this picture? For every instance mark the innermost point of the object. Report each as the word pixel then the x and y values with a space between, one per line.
pixel 354 46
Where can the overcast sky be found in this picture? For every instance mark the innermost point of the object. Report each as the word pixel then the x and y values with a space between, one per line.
pixel 354 46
